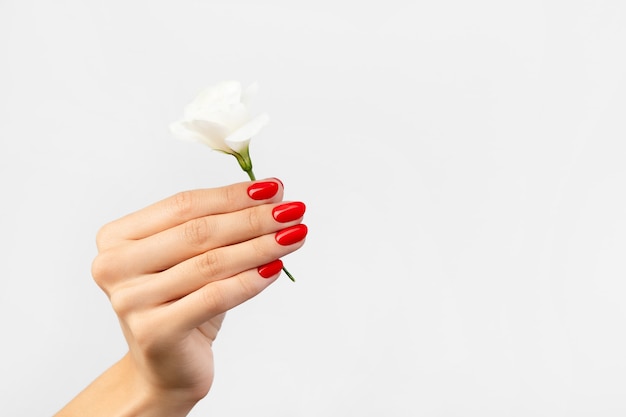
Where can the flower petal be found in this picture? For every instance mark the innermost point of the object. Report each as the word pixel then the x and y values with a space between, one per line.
pixel 240 138
pixel 229 91
pixel 182 132
pixel 215 98
pixel 232 118
pixel 210 133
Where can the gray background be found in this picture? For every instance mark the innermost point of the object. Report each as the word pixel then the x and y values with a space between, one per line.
pixel 463 167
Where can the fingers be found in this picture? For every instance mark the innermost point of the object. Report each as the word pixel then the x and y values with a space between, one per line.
pixel 172 246
pixel 218 297
pixel 199 253
pixel 207 285
pixel 221 263
pixel 188 205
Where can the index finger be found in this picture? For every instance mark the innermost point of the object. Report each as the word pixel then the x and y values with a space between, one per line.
pixel 189 205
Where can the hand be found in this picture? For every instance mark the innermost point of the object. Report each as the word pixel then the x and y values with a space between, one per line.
pixel 173 269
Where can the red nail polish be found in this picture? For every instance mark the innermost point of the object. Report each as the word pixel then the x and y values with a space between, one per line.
pixel 291 235
pixel 263 190
pixel 271 269
pixel 288 212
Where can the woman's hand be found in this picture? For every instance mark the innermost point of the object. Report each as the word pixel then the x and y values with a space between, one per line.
pixel 174 268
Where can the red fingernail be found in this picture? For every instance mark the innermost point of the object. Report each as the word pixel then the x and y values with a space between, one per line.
pixel 291 235
pixel 288 212
pixel 281 183
pixel 271 269
pixel 263 190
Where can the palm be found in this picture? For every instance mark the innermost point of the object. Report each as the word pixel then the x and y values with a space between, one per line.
pixel 187 364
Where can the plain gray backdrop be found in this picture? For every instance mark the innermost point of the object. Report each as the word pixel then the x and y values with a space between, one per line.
pixel 462 164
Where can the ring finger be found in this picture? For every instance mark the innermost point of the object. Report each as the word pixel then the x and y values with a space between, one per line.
pixel 223 262
pixel 173 246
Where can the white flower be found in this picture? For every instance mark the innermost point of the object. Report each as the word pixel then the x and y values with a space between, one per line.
pixel 220 118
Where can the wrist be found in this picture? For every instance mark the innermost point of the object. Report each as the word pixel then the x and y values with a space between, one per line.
pixel 121 391
pixel 152 401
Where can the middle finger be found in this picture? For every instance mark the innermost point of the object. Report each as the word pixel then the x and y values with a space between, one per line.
pixel 173 246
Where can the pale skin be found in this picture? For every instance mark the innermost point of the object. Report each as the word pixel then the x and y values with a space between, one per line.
pixel 171 271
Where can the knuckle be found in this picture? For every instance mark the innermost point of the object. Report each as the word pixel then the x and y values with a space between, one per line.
pixel 209 264
pixel 182 203
pixel 253 219
pixel 260 248
pixel 230 195
pixel 247 288
pixel 102 270
pixel 122 301
pixel 196 232
pixel 104 236
pixel 214 298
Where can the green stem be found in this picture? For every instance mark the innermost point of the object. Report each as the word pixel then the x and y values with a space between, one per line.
pixel 251 175
pixel 253 178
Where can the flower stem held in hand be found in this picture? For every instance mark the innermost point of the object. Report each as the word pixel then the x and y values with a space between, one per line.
pixel 219 118
pixel 253 178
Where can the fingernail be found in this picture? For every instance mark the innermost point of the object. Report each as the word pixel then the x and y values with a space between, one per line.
pixel 281 183
pixel 271 269
pixel 263 190
pixel 291 235
pixel 288 212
